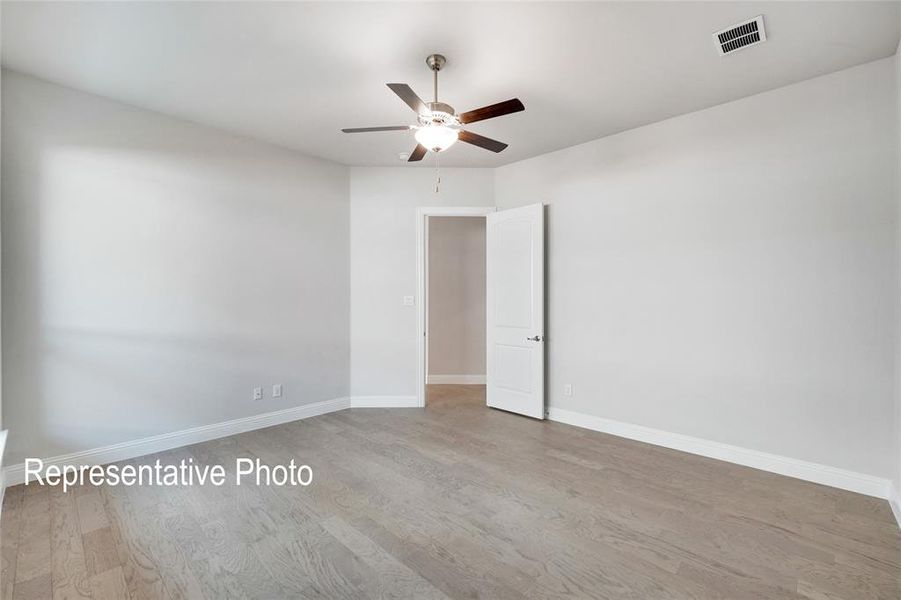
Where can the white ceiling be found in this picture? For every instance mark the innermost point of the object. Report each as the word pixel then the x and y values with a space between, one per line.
pixel 295 73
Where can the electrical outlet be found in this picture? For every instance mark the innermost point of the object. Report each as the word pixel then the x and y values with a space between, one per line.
pixel 257 393
pixel 409 301
pixel 567 389
pixel 277 390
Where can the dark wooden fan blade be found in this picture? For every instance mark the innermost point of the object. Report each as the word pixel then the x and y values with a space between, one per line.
pixel 495 110
pixel 407 94
pixel 417 154
pixel 481 141
pixel 368 129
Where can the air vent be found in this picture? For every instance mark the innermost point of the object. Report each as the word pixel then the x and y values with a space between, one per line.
pixel 740 36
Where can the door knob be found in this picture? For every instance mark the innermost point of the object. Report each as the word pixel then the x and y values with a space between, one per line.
pixel 537 338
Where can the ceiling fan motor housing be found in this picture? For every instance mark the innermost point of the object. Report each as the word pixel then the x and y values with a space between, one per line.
pixel 439 114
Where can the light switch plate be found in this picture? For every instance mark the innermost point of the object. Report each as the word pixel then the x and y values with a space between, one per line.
pixel 409 301
pixel 277 390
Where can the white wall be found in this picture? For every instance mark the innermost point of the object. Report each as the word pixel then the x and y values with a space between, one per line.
pixel 2 431
pixel 457 296
pixel 383 203
pixel 897 474
pixel 154 271
pixel 729 274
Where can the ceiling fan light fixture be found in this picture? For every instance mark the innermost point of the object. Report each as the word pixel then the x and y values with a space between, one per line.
pixel 439 126
pixel 436 138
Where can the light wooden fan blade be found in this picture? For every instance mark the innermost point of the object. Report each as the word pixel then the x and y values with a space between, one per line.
pixel 368 129
pixel 407 94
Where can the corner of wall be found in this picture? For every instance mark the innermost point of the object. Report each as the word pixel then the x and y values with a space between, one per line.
pixel 894 500
pixel 896 488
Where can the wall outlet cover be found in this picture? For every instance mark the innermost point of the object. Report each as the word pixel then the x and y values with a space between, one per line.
pixel 277 390
pixel 257 393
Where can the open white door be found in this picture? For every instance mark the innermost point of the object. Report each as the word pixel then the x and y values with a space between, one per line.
pixel 515 311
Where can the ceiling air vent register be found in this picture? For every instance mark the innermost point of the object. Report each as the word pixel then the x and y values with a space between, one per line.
pixel 741 35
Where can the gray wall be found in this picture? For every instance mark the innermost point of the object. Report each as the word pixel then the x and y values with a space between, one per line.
pixel 726 274
pixel 383 203
pixel 155 271
pixel 457 296
pixel 897 474
pixel 729 274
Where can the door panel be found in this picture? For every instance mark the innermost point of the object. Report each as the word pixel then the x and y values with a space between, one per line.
pixel 513 302
pixel 512 368
pixel 515 311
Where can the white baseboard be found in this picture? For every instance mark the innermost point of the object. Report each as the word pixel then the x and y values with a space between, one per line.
pixel 895 502
pixel 15 474
pixel 455 379
pixel 783 465
pixel 384 402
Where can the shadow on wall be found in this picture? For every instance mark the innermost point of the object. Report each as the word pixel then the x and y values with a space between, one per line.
pixel 156 271
pixel 101 387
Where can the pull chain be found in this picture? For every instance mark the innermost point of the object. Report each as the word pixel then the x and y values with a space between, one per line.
pixel 437 173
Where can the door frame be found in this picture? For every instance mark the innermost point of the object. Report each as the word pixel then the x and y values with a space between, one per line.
pixel 422 268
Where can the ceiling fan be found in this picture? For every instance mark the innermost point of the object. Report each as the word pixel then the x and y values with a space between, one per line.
pixel 438 125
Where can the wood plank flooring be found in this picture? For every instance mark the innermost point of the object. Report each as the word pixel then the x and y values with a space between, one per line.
pixel 454 501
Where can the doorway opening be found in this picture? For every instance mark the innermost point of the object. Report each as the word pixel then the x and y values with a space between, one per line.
pixel 452 267
pixel 455 315
pixel 514 300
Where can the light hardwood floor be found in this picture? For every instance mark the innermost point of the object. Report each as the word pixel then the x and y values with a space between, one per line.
pixel 453 501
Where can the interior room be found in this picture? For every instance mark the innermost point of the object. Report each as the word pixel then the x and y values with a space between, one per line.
pixel 450 300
